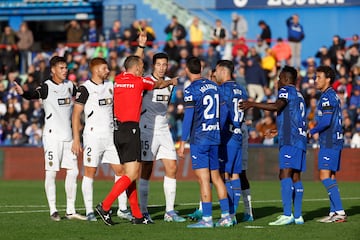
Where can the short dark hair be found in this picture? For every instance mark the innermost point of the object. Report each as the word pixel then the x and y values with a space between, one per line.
pixel 292 73
pixel 55 60
pixel 328 71
pixel 194 65
pixel 160 55
pixel 226 64
pixel 131 60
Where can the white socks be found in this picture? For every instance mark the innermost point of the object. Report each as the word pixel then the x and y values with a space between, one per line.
pixel 50 190
pixel 170 193
pixel 70 189
pixel 87 191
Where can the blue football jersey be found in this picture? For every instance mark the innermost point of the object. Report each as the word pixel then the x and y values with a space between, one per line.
pixel 203 96
pixel 290 121
pixel 331 137
pixel 231 94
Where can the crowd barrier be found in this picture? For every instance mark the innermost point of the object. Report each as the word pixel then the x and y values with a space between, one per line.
pixel 27 163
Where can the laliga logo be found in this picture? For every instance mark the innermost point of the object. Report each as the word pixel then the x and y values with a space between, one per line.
pixel 240 3
pixel 243 3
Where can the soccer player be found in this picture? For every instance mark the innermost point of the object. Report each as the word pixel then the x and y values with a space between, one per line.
pixel 291 125
pixel 202 124
pixel 95 100
pixel 128 91
pixel 157 143
pixel 56 94
pixel 331 140
pixel 230 150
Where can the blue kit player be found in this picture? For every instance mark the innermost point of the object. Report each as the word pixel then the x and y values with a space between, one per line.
pixel 230 151
pixel 291 125
pixel 202 124
pixel 330 130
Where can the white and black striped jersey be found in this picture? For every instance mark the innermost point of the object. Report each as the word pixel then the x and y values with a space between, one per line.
pixel 98 107
pixel 154 107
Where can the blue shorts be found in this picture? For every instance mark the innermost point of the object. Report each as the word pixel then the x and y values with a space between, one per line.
pixel 329 159
pixel 230 158
pixel 204 156
pixel 292 157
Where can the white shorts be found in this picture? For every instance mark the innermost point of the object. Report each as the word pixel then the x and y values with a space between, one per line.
pixel 157 144
pixel 99 150
pixel 58 154
pixel 245 146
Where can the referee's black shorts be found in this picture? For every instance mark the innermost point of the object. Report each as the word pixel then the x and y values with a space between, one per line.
pixel 127 141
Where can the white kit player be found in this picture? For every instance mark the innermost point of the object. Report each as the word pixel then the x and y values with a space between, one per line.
pixel 95 100
pixel 157 143
pixel 57 98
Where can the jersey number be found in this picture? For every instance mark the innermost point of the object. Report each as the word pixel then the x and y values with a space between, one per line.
pixel 211 102
pixel 238 115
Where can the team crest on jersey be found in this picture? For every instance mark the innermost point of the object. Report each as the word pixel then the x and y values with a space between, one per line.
pixel 51 163
pixel 88 159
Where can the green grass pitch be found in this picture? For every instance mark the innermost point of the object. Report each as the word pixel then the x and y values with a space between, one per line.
pixel 24 214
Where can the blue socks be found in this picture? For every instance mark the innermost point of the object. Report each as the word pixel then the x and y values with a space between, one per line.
pixel 334 194
pixel 298 197
pixel 286 195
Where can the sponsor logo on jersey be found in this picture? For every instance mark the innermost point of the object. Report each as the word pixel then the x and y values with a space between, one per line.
pixel 211 127
pixel 162 98
pixel 237 91
pixel 64 101
pixel 124 85
pixel 105 101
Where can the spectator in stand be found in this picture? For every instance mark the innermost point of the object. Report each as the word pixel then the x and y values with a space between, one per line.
pixel 322 54
pixel 240 44
pixel 352 56
pixel 74 32
pixel 355 42
pixel 196 32
pixel 268 63
pixel 115 32
pixel 102 50
pixel 295 37
pixel 338 46
pixel 92 33
pixel 224 49
pixel 261 47
pixel 239 26
pixel 172 50
pixel 283 52
pixel 311 113
pixel 42 72
pixel 175 30
pixel 25 43
pixel 8 36
pixel 254 137
pixel 266 128
pixel 8 59
pixel 18 136
pixel 34 133
pixel 252 53
pixel 355 140
pixel 240 58
pixel 265 34
pixel 212 56
pixel 255 79
pixel 354 103
pixel 218 33
pixel 150 32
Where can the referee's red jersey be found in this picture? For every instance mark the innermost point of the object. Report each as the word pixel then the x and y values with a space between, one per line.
pixel 128 93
